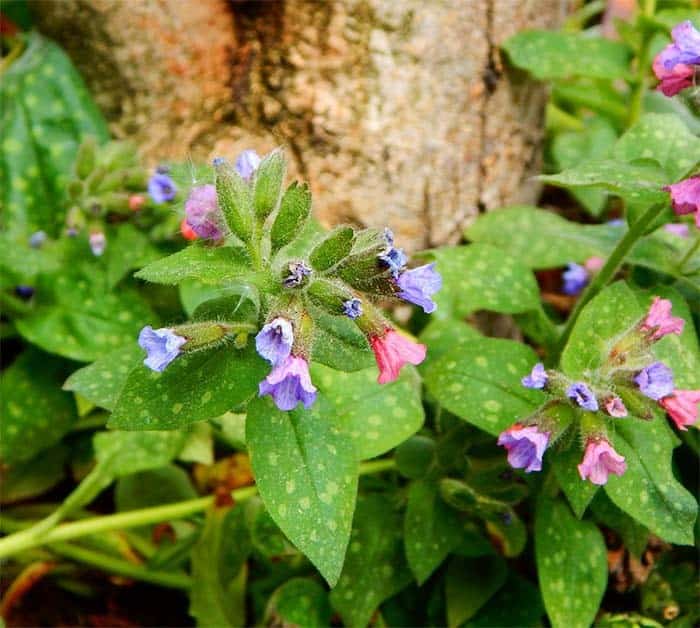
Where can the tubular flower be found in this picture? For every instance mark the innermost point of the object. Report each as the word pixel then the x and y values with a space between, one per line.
pixel 418 284
pixel 673 66
pixel 392 351
pixel 537 377
pixel 614 407
pixel 599 461
pixel 274 341
pixel 685 197
pixel 659 322
pixel 525 445
pixel 682 407
pixel 655 381
pixel 162 346
pixel 289 384
pixel 247 163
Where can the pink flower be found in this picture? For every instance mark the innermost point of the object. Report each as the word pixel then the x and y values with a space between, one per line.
pixel 614 407
pixel 685 197
pixel 682 407
pixel 674 80
pixel 600 460
pixel 525 446
pixel 392 351
pixel 679 229
pixel 659 321
pixel 594 264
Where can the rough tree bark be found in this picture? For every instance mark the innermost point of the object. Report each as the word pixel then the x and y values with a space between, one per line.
pixel 398 112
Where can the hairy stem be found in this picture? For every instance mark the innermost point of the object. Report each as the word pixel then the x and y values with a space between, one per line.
pixel 613 263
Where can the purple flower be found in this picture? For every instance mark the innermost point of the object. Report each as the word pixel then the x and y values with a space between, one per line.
pixel 352 308
pixel 24 292
pixel 98 243
pixel 37 239
pixel 655 381
pixel 274 341
pixel 161 187
pixel 537 377
pixel 616 222
pixel 575 278
pixel 203 214
pixel 583 396
pixel 525 445
pixel 297 272
pixel 679 229
pixel 162 346
pixel 289 383
pixel 685 48
pixel 418 284
pixel 394 258
pixel 615 407
pixel 247 163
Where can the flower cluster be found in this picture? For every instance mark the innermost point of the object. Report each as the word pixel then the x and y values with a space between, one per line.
pixel 676 64
pixel 346 274
pixel 630 378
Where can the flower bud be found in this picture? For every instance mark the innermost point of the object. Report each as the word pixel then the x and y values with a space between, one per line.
pixel 235 199
pixel 86 158
pixel 330 296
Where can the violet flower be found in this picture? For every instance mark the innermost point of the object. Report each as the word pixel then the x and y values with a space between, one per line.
pixel 537 377
pixel 394 258
pixel 162 346
pixel 352 308
pixel 575 278
pixel 203 214
pixel 161 187
pixel 418 284
pixel 655 381
pixel 298 271
pixel 247 163
pixel 289 384
pixel 525 445
pixel 274 341
pixel 583 396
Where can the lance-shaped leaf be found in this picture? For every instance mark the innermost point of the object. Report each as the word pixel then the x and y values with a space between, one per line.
pixel 235 199
pixel 268 184
pixel 292 216
pixel 335 247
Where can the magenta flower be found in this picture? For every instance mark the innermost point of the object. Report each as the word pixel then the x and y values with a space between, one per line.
pixel 659 322
pixel 289 384
pixel 419 284
pixel 525 445
pixel 162 346
pixel 203 214
pixel 98 243
pixel 247 163
pixel 537 377
pixel 685 197
pixel 682 407
pixel 655 381
pixel 614 407
pixel 392 351
pixel 674 80
pixel 274 341
pixel 599 461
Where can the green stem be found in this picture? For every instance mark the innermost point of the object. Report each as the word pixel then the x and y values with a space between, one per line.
pixel 26 539
pixel 636 102
pixel 121 567
pixel 689 253
pixel 613 263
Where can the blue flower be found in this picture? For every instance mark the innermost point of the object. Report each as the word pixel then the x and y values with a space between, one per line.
pixel 162 346
pixel 161 188
pixel 583 396
pixel 37 239
pixel 655 381
pixel 297 272
pixel 274 341
pixel 575 278
pixel 686 46
pixel 537 377
pixel 352 308
pixel 418 284
pixel 289 384
pixel 24 292
pixel 247 163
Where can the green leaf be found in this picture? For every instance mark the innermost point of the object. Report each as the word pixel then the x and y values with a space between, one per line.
pixel 634 535
pixel 235 198
pixel 210 265
pixel 127 249
pixel 124 453
pixel 572 148
pixel 307 475
pixel 102 381
pixel 338 343
pixel 33 477
pixel 268 183
pixel 640 182
pixel 578 492
pixel 517 604
pixel 196 386
pixel 482 277
pixel 552 55
pixel 648 490
pixel 47 112
pixel 217 597
pixel 78 316
pixel 415 457
pixel 335 247
pixel 292 216
pixel 35 412
pixel 571 556
pixel 442 335
pixel 469 584
pixel 609 314
pixel 165 485
pixel 481 383
pixel 431 529
pixel 375 418
pixel 299 602
pixel 375 567
pixel 664 138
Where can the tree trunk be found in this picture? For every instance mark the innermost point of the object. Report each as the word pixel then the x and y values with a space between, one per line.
pixel 397 112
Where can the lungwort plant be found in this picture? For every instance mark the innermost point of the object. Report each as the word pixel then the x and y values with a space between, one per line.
pixel 278 449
